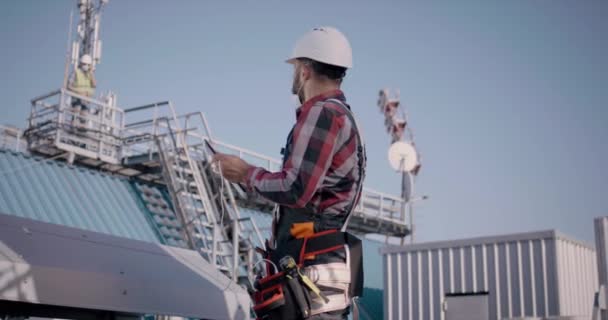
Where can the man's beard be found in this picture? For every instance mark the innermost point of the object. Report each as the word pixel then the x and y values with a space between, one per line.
pixel 296 87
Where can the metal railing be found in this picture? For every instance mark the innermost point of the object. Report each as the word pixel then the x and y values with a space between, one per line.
pixel 64 121
pixel 373 204
pixel 380 208
pixel 188 134
pixel 11 138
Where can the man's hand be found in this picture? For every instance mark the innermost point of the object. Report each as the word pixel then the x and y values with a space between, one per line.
pixel 232 167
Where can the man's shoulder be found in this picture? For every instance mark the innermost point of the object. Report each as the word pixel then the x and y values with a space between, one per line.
pixel 334 107
pixel 334 110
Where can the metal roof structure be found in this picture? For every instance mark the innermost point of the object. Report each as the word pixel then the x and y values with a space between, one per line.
pixel 486 240
pixel 11 137
pixel 55 192
pixel 66 272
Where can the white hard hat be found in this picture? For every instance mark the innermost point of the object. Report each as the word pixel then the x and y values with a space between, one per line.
pixel 86 59
pixel 326 45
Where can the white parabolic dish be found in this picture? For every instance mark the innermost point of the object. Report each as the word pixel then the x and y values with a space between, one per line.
pixel 402 156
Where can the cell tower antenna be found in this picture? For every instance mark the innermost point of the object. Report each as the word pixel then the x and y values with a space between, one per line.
pixel 66 70
pixel 402 154
pixel 87 40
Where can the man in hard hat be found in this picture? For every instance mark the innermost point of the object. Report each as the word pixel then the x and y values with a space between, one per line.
pixel 82 82
pixel 316 189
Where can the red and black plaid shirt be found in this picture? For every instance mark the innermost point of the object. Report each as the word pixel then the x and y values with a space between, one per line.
pixel 321 166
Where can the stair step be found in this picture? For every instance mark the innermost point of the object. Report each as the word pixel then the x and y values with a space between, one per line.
pixel 223 254
pixel 203 237
pixel 218 253
pixel 182 157
pixel 191 195
pixel 182 171
pixel 203 224
pixel 223 268
pixel 195 209
pixel 206 222
pixel 189 182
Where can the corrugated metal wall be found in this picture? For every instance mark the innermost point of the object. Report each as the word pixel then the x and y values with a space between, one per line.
pixel 578 277
pixel 525 275
pixel 54 192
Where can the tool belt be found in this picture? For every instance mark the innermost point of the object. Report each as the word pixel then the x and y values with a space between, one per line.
pixel 294 293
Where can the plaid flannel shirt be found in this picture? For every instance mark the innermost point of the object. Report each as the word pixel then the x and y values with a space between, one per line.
pixel 320 169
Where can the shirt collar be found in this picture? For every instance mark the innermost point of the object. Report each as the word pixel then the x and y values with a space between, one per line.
pixel 332 94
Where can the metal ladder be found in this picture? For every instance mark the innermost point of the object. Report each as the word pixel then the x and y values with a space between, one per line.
pixel 208 211
pixel 191 199
pixel 243 230
pixel 242 233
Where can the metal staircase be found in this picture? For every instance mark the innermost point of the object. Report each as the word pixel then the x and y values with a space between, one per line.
pixel 241 229
pixel 203 201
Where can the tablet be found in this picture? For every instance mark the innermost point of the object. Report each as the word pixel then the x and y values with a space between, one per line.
pixel 210 147
pixel 213 152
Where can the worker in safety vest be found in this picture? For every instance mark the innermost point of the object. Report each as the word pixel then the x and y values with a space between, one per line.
pixel 316 190
pixel 82 82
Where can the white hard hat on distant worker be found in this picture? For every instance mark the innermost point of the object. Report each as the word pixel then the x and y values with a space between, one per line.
pixel 326 45
pixel 86 59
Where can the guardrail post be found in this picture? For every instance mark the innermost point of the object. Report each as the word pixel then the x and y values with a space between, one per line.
pixel 235 248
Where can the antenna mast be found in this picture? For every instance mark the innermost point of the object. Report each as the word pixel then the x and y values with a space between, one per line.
pixel 87 39
pixel 402 153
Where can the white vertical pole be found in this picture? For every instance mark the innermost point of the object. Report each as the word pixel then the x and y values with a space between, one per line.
pixel 214 242
pixel 60 115
pixel 235 248
pixel 19 133
pixel 410 308
pixel 399 287
pixel 408 201
pixel 601 244
pixel 388 287
pixel 543 251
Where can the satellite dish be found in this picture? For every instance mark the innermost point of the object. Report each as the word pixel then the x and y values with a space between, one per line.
pixel 403 156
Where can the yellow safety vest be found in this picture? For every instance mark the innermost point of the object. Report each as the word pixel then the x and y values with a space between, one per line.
pixel 83 84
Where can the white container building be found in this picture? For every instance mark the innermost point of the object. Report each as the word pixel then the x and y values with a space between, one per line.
pixel 536 275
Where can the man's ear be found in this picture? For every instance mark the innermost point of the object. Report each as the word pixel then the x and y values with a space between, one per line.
pixel 306 72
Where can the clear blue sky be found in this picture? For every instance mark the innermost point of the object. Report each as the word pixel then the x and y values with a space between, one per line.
pixel 508 99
